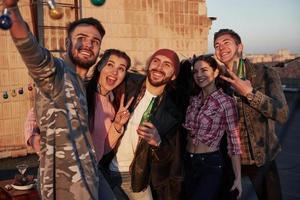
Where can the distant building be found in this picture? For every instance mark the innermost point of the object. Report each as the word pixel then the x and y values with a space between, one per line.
pixel 286 63
pixel 280 56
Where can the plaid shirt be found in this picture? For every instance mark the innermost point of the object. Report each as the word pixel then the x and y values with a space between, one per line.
pixel 208 122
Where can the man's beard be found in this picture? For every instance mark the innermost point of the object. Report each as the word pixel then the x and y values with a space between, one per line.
pixel 80 62
pixel 158 83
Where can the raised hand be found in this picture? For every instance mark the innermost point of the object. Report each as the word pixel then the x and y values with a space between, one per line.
pixel 242 87
pixel 123 114
pixel 149 133
pixel 10 3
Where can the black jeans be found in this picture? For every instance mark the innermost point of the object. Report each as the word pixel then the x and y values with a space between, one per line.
pixel 265 180
pixel 203 174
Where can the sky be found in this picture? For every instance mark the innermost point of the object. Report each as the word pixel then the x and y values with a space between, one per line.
pixel 265 26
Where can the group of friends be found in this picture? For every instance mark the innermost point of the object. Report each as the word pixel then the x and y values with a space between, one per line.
pixel 90 138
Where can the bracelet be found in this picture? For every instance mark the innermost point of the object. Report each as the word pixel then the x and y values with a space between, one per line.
pixel 119 131
pixel 158 144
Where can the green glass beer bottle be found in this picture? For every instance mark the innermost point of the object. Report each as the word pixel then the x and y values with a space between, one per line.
pixel 241 72
pixel 149 111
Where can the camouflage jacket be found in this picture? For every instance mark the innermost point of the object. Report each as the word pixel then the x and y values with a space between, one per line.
pixel 257 117
pixel 67 159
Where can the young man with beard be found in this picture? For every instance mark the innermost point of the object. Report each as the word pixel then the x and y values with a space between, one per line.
pixel 261 103
pixel 145 164
pixel 67 159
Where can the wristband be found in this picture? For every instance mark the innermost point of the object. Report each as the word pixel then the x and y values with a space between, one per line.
pixel 119 131
pixel 158 144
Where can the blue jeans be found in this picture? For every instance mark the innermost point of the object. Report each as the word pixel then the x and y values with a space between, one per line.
pixel 203 175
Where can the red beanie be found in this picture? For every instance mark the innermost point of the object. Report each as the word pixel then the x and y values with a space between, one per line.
pixel 171 55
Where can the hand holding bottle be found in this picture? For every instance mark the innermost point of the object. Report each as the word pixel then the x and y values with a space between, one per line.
pixel 149 133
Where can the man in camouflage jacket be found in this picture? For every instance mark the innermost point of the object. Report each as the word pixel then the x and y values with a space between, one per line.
pixel 67 159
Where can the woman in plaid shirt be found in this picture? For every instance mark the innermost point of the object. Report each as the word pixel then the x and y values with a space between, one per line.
pixel 209 115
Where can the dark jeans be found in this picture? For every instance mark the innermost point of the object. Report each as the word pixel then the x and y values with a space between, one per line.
pixel 203 174
pixel 105 191
pixel 265 180
pixel 114 180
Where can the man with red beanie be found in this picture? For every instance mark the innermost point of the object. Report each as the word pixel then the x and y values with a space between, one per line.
pixel 145 163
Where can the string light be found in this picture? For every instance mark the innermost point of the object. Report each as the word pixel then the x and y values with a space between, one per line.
pixel 21 91
pixel 5 95
pixel 54 12
pixel 5 20
pixel 29 87
pixel 98 2
pixel 15 91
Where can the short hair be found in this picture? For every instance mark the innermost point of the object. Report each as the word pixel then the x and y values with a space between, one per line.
pixel 230 32
pixel 89 21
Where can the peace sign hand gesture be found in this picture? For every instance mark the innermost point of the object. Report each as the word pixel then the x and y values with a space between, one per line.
pixel 123 114
pixel 243 87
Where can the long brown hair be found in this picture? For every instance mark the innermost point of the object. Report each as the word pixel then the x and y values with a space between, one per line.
pixel 93 83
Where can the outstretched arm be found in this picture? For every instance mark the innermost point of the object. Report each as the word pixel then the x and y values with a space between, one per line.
pixel 37 59
pixel 19 29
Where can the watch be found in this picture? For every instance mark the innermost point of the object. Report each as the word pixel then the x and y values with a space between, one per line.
pixel 250 96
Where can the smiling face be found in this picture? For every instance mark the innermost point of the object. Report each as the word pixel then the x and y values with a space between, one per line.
pixel 112 74
pixel 161 71
pixel 84 45
pixel 227 49
pixel 204 75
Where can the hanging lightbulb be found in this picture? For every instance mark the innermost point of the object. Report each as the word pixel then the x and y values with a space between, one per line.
pixel 13 93
pixel 98 2
pixel 21 91
pixel 54 12
pixel 30 87
pixel 5 20
pixel 5 95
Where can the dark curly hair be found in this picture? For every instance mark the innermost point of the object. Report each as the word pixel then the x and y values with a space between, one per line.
pixel 90 21
pixel 92 85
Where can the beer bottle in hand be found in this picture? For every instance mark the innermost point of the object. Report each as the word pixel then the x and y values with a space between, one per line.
pixel 241 72
pixel 149 111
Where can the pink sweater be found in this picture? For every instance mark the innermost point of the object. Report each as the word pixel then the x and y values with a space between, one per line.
pixel 104 115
